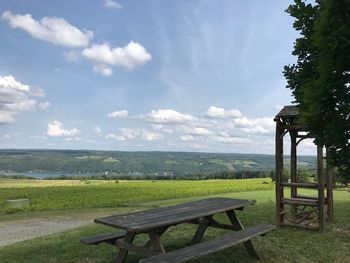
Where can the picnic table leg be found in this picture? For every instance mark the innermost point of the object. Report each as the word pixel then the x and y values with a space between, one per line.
pixel 157 245
pixel 129 238
pixel 202 227
pixel 238 226
pixel 160 232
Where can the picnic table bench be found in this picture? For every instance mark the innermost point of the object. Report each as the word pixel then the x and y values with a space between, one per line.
pixel 155 222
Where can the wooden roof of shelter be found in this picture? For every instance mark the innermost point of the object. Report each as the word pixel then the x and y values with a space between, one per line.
pixel 288 111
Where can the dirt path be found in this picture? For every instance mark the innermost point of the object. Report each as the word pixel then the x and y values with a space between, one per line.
pixel 16 230
pixel 20 230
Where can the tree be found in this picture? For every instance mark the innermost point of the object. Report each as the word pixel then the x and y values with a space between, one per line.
pixel 320 79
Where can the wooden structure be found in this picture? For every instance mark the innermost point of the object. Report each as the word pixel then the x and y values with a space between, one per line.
pixel 310 212
pixel 155 222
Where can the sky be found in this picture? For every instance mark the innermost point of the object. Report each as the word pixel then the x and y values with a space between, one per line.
pixel 185 75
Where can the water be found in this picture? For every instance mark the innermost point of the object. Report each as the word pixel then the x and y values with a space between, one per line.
pixel 39 175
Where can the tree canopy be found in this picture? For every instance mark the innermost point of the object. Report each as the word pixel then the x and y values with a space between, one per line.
pixel 320 79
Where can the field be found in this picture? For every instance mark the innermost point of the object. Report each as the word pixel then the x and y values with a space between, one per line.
pixel 69 194
pixel 282 245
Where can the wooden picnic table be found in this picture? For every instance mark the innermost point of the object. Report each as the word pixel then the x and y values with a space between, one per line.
pixel 155 222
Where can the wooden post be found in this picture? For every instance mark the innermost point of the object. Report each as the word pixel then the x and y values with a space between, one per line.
pixel 293 168
pixel 279 172
pixel 238 226
pixel 329 183
pixel 129 238
pixel 321 199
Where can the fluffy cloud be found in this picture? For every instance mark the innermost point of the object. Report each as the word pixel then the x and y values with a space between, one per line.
pixel 102 56
pixel 198 131
pixel 116 137
pixel 228 138
pixel 151 136
pixel 55 129
pixel 140 134
pixel 129 133
pixel 97 129
pixel 44 105
pixel 118 114
pixel 187 138
pixel 168 116
pixel 112 4
pixel 103 70
pixel 220 113
pixel 255 126
pixel 51 29
pixel 16 97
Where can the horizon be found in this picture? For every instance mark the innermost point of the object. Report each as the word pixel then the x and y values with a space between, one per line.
pixel 146 151
pixel 144 76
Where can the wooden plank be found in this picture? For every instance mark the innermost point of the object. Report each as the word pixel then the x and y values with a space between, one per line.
pixel 145 220
pixel 215 224
pixel 202 227
pixel 320 173
pixel 156 242
pixel 203 249
pixel 189 208
pixel 160 232
pixel 152 214
pixel 129 238
pixel 279 171
pixel 105 238
pixel 238 225
pixel 293 167
pixel 300 201
pixel 329 183
pixel 300 185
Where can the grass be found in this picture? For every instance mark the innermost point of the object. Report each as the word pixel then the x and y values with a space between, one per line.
pixel 110 194
pixel 282 245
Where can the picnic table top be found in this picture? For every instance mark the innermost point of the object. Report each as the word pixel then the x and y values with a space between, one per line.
pixel 171 215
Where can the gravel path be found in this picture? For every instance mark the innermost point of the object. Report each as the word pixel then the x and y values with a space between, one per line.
pixel 16 230
pixel 19 230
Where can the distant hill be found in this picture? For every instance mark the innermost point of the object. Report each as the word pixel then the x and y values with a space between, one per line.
pixel 137 163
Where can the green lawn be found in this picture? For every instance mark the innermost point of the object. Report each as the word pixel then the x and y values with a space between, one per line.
pixel 282 245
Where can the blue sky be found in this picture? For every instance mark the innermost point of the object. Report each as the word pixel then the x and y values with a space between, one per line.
pixel 143 75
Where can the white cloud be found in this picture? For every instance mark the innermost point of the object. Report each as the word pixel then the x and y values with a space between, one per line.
pixel 51 29
pixel 97 129
pixel 116 137
pixel 72 56
pixel 220 113
pixel 44 105
pixel 168 116
pixel 129 133
pixel 140 134
pixel 102 56
pixel 103 70
pixel 225 138
pixel 6 117
pixel 118 114
pixel 198 131
pixel 55 129
pixel 16 97
pixel 263 125
pixel 151 136
pixel 112 4
pixel 187 138
pixel 24 105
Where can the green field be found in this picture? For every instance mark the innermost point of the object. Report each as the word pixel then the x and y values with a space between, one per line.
pixel 86 194
pixel 282 245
